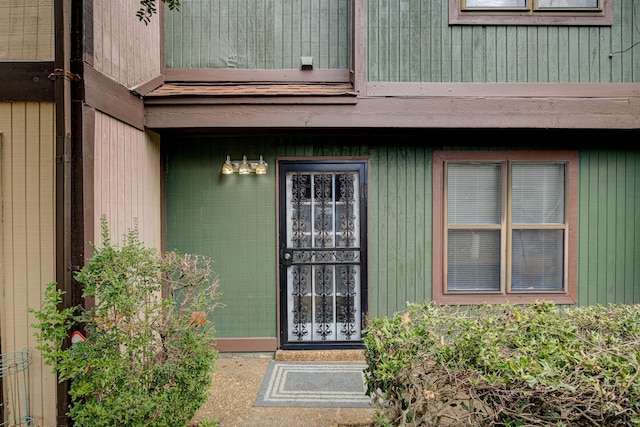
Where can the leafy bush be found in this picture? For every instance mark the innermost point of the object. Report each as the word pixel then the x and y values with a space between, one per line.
pixel 506 365
pixel 147 360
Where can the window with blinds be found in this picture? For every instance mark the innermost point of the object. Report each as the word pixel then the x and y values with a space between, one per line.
pixel 505 226
pixel 531 12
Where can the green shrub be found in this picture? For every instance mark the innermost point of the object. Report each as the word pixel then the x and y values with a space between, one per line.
pixel 146 360
pixel 506 365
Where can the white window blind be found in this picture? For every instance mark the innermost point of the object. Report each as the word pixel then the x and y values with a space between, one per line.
pixel 538 193
pixel 475 227
pixel 474 198
pixel 473 194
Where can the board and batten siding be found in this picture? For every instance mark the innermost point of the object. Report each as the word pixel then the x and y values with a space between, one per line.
pixel 126 181
pixel 257 34
pixel 399 227
pixel 232 219
pixel 124 48
pixel 609 227
pixel 411 41
pixel 26 30
pixel 27 239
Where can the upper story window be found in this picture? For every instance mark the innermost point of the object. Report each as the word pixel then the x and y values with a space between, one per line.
pixel 504 226
pixel 531 12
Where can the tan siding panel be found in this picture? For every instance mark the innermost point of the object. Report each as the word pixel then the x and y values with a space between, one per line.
pixel 27 167
pixel 125 49
pixel 127 180
pixel 26 30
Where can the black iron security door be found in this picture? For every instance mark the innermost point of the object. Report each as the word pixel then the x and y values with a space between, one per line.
pixel 323 292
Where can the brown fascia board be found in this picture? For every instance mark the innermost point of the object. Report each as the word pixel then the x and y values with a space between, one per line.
pixel 147 87
pixel 108 96
pixel 213 75
pixel 27 81
pixel 410 112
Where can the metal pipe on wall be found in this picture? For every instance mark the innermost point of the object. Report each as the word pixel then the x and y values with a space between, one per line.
pixel 62 73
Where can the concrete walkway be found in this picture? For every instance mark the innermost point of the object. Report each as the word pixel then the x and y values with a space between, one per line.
pixel 238 378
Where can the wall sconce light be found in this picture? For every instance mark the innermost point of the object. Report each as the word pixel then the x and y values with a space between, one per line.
pixel 306 62
pixel 244 166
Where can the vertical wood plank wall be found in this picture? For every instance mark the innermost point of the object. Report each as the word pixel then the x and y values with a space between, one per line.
pixel 258 34
pixel 124 48
pixel 126 181
pixel 27 237
pixel 400 227
pixel 411 41
pixel 26 30
pixel 232 219
pixel 609 227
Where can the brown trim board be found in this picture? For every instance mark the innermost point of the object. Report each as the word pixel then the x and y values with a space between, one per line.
pixel 146 87
pixel 244 345
pixel 423 112
pixel 109 97
pixel 27 81
pixel 503 90
pixel 234 75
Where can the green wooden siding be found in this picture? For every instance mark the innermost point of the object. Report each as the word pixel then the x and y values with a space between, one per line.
pixel 407 41
pixel 411 41
pixel 399 227
pixel 258 34
pixel 233 220
pixel 609 227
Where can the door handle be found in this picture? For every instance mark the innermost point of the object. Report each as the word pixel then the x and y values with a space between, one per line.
pixel 287 256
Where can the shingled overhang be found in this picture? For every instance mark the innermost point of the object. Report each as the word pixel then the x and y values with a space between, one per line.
pixel 252 93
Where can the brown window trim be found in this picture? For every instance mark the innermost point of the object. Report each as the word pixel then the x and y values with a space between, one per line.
pixel 439 243
pixel 490 17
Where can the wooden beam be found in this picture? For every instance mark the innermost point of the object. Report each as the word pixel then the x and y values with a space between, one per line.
pixel 243 345
pixel 569 112
pixel 27 81
pixel 204 75
pixel 109 97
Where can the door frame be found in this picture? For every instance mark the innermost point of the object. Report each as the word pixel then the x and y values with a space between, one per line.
pixel 282 164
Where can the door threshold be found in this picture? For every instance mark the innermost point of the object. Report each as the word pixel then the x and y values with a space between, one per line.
pixel 320 355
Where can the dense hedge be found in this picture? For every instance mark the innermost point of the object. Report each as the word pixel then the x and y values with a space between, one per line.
pixel 506 365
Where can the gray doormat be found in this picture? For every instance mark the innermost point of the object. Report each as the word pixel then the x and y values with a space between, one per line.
pixel 314 384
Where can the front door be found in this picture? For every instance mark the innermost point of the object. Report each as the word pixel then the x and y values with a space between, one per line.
pixel 323 291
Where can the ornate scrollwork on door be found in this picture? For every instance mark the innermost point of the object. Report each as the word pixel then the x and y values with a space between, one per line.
pixel 323 257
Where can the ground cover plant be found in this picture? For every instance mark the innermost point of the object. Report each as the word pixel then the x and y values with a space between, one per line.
pixel 147 359
pixel 506 365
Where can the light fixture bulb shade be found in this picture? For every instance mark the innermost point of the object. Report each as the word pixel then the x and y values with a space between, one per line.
pixel 244 168
pixel 261 168
pixel 227 167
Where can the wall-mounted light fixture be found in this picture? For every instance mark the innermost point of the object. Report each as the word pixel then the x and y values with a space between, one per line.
pixel 244 166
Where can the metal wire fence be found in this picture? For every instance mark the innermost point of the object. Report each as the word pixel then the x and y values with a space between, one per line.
pixel 14 375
